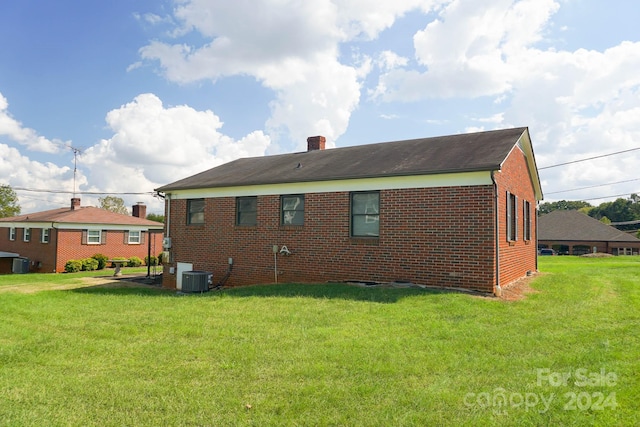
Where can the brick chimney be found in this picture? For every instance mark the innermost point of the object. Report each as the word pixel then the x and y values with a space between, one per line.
pixel 316 143
pixel 75 203
pixel 139 210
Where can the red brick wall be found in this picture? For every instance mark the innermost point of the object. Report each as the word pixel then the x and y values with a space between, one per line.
pixel 437 236
pixel 70 246
pixel 520 256
pixel 41 255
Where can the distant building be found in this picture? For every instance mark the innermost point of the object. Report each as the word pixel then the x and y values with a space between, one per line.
pixel 50 238
pixel 575 233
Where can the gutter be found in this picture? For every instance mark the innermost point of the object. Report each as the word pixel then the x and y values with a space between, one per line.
pixel 498 290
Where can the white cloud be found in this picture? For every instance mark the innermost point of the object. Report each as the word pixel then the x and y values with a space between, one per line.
pixel 289 46
pixel 153 145
pixel 15 131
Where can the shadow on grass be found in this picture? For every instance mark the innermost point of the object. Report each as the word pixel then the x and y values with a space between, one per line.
pixel 344 291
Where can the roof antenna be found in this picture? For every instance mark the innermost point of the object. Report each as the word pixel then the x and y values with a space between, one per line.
pixel 76 151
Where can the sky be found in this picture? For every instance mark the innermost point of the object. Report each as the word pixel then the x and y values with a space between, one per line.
pixel 121 97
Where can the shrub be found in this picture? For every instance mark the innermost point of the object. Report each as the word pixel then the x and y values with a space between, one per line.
pixel 89 264
pixel 102 260
pixel 73 266
pixel 161 257
pixel 151 260
pixel 134 261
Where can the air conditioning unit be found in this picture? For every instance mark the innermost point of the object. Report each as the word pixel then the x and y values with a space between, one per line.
pixel 20 266
pixel 196 281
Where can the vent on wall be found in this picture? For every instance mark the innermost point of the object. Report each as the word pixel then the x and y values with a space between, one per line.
pixel 196 281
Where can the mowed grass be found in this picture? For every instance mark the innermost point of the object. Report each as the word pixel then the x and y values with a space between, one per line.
pixel 327 354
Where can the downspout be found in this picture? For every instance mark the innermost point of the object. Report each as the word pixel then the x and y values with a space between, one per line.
pixel 55 249
pixel 498 290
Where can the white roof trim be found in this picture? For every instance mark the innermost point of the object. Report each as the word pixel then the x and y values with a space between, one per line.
pixel 458 179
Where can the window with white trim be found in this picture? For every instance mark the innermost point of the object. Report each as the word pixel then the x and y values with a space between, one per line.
pixel 44 235
pixel 94 237
pixel 134 237
pixel 27 235
pixel 12 233
pixel 365 214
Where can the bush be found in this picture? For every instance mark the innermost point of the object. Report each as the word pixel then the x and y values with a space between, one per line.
pixel 73 266
pixel 161 258
pixel 134 261
pixel 89 264
pixel 151 260
pixel 102 260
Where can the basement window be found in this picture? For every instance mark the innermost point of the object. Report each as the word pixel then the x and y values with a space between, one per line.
pixel 292 210
pixel 195 211
pixel 247 210
pixel 365 214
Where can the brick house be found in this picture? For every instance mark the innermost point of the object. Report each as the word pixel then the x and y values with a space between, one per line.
pixel 49 239
pixel 455 211
pixel 575 233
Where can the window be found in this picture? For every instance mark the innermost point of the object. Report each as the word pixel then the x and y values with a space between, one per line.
pixel 195 211
pixel 512 217
pixel 27 234
pixel 134 238
pixel 94 237
pixel 365 214
pixel 526 232
pixel 292 212
pixel 44 235
pixel 247 210
pixel 12 233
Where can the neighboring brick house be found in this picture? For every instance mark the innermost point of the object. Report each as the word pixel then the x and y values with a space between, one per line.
pixel 455 211
pixel 51 238
pixel 575 233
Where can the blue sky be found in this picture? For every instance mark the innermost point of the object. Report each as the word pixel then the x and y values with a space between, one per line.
pixel 153 91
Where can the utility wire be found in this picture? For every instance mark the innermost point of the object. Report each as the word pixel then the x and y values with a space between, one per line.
pixel 82 192
pixel 593 186
pixel 590 158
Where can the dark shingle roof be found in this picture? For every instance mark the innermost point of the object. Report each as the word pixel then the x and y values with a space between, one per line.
pixel 564 225
pixel 471 152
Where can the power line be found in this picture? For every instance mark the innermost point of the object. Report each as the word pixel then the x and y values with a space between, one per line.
pixel 594 186
pixel 150 193
pixel 590 158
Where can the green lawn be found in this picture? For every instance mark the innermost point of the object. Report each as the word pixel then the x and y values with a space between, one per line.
pixel 329 354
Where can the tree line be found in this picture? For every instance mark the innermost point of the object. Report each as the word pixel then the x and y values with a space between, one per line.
pixel 620 210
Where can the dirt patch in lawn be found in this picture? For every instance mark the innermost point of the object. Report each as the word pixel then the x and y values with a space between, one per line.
pixel 84 282
pixel 519 289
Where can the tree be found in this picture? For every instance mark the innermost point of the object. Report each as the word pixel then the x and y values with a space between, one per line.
pixel 8 202
pixel 567 205
pixel 155 217
pixel 113 204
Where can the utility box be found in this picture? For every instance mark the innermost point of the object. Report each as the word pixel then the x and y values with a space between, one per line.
pixel 20 265
pixel 196 281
